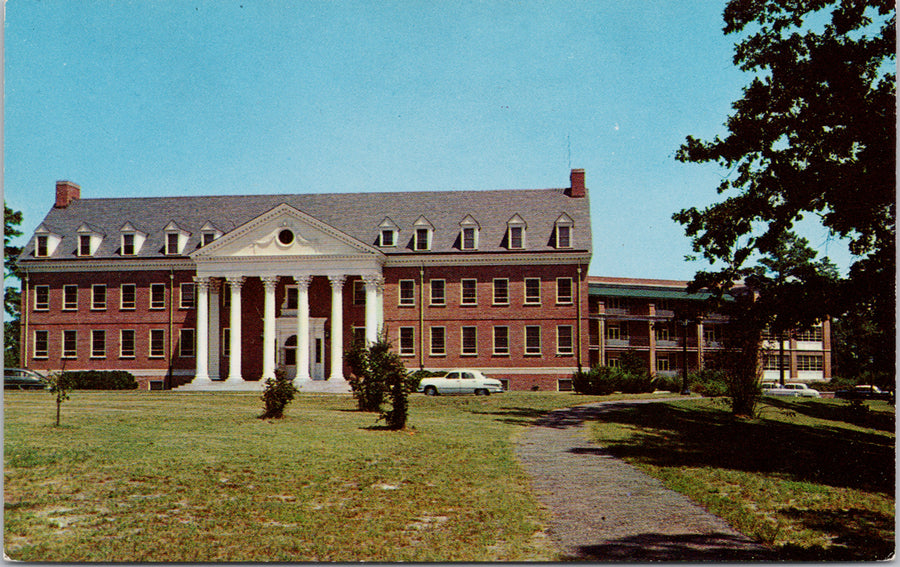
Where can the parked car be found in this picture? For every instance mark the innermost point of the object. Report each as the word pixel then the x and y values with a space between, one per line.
pixel 23 379
pixel 791 389
pixel 863 392
pixel 460 382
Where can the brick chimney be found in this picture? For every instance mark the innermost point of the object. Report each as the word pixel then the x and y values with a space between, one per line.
pixel 576 184
pixel 66 192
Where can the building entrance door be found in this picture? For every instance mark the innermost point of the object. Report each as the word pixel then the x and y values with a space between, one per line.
pixel 287 347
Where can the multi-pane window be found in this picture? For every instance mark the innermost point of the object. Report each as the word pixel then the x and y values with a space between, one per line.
pixel 41 344
pixel 186 343
pixel 616 332
pixel 501 291
pixel 84 245
pixel 613 363
pixel 128 296
pixel 157 296
pixel 809 362
pixel 501 341
pixel 407 292
pixel 563 236
pixel 662 363
pixel 407 341
pixel 126 343
pixel 127 245
pixel 564 342
pixel 533 291
pixel 770 362
pixel 188 295
pixel 810 335
pixel 98 296
pixel 516 237
pixel 70 344
pixel 359 292
pixel 564 290
pixel 469 341
pixel 469 238
pixel 291 297
pixel 532 339
pixel 41 247
pixel 469 292
pixel 421 240
pixel 208 238
pixel 157 343
pixel 172 243
pixel 70 297
pixel 438 292
pixel 41 297
pixel 663 333
pixel 98 344
pixel 387 237
pixel 438 341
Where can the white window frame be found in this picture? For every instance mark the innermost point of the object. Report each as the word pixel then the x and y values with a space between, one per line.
pixel 162 340
pixel 94 343
pixel 84 245
pixel 406 301
pixel 563 349
pixel 359 292
pixel 564 243
pixel 438 300
pixel 67 305
pixel 191 295
pixel 133 351
pixel 540 343
pixel 501 349
pixel 420 233
pixel 462 340
pixel 38 353
pixel 511 239
pixel 169 236
pixel 501 298
pixel 390 241
pixel 70 354
pixel 162 304
pixel 462 292
pixel 442 351
pixel 410 349
pixel 95 303
pixel 562 299
pixel 132 305
pixel 663 363
pixel 42 246
pixel 45 304
pixel 531 301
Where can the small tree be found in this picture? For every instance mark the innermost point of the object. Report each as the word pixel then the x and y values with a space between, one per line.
pixel 365 385
pixel 278 394
pixel 379 373
pixel 60 385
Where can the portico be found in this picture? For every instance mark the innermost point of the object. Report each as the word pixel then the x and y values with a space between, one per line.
pixel 282 247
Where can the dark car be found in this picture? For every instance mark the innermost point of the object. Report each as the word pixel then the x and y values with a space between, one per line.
pixel 863 392
pixel 22 379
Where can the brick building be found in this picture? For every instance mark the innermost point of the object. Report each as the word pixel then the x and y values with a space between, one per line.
pixel 217 292
pixel 645 317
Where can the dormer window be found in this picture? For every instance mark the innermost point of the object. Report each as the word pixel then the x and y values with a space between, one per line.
pixel 423 234
pixel 515 233
pixel 89 240
pixel 209 234
pixel 468 234
pixel 176 239
pixel 132 240
pixel 563 231
pixel 41 247
pixel 208 238
pixel 387 233
pixel 45 241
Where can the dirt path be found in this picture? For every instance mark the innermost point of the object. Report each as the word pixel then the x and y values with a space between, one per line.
pixel 603 509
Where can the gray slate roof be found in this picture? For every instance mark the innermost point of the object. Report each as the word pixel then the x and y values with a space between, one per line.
pixel 356 214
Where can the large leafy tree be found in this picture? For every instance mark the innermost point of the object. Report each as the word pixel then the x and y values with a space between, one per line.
pixel 11 294
pixel 813 134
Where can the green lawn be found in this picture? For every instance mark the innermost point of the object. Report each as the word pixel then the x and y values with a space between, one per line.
pixel 196 477
pixel 813 478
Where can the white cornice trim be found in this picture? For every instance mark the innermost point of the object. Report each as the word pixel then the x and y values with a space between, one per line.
pixel 523 259
pixel 123 265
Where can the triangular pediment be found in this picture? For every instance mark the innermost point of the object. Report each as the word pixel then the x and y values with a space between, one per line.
pixel 284 231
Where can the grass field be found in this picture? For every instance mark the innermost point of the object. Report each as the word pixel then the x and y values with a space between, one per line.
pixel 196 477
pixel 813 478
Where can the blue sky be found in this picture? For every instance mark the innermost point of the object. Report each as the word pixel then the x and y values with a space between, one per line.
pixel 172 97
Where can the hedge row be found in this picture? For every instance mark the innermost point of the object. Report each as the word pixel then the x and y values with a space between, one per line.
pixel 100 380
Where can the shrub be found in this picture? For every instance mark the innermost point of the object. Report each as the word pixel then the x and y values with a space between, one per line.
pixel 378 372
pixel 277 395
pixel 709 382
pixel 100 380
pixel 604 380
pixel 667 383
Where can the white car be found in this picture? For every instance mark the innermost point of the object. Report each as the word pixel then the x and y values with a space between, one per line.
pixel 460 382
pixel 791 389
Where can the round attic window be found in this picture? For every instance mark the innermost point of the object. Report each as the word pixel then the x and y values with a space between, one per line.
pixel 286 237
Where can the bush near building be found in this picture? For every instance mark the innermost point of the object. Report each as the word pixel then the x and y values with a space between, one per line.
pixel 100 380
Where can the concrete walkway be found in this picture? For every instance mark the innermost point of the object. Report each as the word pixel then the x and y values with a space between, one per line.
pixel 603 509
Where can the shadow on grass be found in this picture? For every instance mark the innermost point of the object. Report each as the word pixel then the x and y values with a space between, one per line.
pixel 844 412
pixel 858 535
pixel 682 547
pixel 516 416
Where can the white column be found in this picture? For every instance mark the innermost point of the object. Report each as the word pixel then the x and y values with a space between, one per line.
pixel 214 331
pixel 234 361
pixel 303 327
pixel 379 303
pixel 202 355
pixel 372 284
pixel 269 283
pixel 337 327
